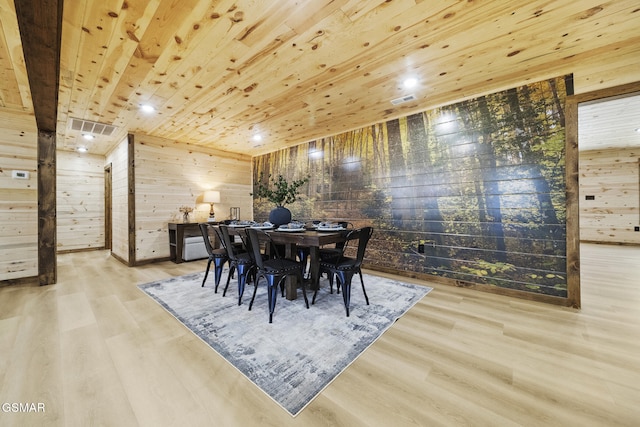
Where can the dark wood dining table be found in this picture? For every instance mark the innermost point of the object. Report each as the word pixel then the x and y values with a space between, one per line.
pixel 309 238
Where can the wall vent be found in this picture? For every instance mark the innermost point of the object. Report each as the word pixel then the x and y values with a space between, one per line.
pixel 93 128
pixel 404 99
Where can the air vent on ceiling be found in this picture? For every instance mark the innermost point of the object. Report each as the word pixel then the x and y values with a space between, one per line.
pixel 94 128
pixel 404 99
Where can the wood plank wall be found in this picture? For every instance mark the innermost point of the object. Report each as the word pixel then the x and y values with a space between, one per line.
pixel 170 175
pixel 479 184
pixel 120 233
pixel 612 177
pixel 18 197
pixel 80 201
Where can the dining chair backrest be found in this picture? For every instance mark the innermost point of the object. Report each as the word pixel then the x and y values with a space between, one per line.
pixel 220 238
pixel 204 229
pixel 253 245
pixel 348 226
pixel 227 243
pixel 362 235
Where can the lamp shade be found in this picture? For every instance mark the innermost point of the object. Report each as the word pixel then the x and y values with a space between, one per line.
pixel 211 197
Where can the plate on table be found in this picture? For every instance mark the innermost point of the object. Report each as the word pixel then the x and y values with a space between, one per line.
pixel 241 224
pixel 290 229
pixel 263 226
pixel 339 228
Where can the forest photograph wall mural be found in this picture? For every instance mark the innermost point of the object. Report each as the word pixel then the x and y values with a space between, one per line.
pixel 473 191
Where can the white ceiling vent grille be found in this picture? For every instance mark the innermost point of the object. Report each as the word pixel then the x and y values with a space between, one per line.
pixel 93 128
pixel 404 99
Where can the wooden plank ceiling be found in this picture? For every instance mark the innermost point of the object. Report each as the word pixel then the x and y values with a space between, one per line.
pixel 218 72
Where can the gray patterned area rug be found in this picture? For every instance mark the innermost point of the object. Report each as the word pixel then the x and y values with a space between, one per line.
pixel 294 358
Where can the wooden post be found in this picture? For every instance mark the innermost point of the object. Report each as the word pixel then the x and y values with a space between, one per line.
pixel 40 23
pixel 47 223
pixel 572 203
pixel 131 200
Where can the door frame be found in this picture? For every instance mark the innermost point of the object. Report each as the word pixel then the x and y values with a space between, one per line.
pixel 108 182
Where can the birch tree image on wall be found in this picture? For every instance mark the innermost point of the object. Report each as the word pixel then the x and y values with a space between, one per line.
pixel 473 191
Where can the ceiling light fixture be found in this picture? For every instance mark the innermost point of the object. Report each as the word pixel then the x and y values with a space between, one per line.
pixel 257 137
pixel 410 83
pixel 146 108
pixel 82 149
pixel 88 136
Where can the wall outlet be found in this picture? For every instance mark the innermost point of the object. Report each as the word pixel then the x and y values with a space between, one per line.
pixel 636 228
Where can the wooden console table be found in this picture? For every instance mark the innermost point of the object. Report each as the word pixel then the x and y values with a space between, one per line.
pixel 177 232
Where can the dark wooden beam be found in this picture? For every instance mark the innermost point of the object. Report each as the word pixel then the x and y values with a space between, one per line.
pixel 47 219
pixel 40 23
pixel 132 199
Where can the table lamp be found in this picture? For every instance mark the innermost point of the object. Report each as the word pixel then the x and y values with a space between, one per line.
pixel 211 197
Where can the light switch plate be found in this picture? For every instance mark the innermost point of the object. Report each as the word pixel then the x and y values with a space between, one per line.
pixel 19 174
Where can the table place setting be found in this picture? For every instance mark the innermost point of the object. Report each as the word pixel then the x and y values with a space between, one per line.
pixel 262 225
pixel 292 227
pixel 238 224
pixel 329 226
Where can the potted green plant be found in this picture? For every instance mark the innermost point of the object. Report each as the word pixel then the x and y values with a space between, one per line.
pixel 280 192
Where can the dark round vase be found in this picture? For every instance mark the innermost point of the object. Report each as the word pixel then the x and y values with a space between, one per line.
pixel 280 216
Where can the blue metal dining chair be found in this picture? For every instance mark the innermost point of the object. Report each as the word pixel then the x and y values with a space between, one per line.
pixel 344 268
pixel 274 270
pixel 240 261
pixel 331 253
pixel 219 257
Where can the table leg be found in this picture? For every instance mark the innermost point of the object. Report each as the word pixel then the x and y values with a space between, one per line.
pixel 290 285
pixel 179 244
pixel 314 267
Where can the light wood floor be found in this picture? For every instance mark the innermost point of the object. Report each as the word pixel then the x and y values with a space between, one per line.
pixel 97 351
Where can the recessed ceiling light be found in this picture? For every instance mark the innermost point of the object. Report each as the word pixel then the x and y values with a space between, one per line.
pixel 638 130
pixel 257 137
pixel 82 149
pixel 147 108
pixel 88 136
pixel 410 83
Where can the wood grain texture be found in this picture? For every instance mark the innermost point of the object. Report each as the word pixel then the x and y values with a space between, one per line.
pixel 80 201
pixel 18 197
pixel 131 200
pixel 40 25
pixel 47 217
pixel 612 177
pixel 170 175
pixel 220 71
pixel 118 158
pixel 458 357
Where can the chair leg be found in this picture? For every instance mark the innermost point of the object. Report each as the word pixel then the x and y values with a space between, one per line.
pixel 218 267
pixel 345 282
pixel 363 291
pixel 330 277
pixel 232 269
pixel 255 289
pixel 206 273
pixel 272 293
pixel 304 290
pixel 243 273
